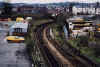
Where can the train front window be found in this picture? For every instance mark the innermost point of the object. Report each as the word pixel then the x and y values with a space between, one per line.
pixel 18 30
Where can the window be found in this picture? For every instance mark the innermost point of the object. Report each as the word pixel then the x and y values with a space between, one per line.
pixel 18 30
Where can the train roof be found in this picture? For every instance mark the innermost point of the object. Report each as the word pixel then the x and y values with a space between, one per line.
pixel 20 25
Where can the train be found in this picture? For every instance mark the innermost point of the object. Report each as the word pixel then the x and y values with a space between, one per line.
pixel 18 29
pixel 17 32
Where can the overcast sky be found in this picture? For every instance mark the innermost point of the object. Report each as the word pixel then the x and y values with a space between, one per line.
pixel 49 1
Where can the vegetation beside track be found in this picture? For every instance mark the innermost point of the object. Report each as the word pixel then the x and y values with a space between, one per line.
pixel 87 46
pixel 82 43
pixel 32 48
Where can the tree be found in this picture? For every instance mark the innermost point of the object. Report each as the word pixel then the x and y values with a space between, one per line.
pixel 61 21
pixel 97 51
pixel 83 41
pixel 7 9
pixel 71 7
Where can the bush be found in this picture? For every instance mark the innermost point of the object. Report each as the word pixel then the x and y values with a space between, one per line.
pixel 97 51
pixel 83 41
pixel 30 46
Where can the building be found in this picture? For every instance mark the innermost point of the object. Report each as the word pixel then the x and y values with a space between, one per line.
pixel 29 9
pixel 86 10
pixel 26 9
pixel 79 26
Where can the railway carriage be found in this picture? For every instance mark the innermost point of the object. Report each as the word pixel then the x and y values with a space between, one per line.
pixel 19 29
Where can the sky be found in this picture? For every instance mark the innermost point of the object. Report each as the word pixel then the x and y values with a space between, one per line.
pixel 49 1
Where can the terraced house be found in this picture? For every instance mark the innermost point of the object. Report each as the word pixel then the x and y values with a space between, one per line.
pixel 86 10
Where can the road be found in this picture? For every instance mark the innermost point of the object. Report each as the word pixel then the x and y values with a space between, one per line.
pixel 12 54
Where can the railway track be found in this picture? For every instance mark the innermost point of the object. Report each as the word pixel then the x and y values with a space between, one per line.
pixel 54 55
pixel 50 60
pixel 74 61
pixel 53 48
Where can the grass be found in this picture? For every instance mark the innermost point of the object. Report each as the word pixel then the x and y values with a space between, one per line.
pixel 96 59
pixel 85 50
pixel 73 43
pixel 58 34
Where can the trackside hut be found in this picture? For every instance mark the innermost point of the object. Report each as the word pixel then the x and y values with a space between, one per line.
pixel 19 29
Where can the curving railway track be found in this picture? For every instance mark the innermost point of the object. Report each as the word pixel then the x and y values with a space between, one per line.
pixel 54 55
pixel 75 60
pixel 50 61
